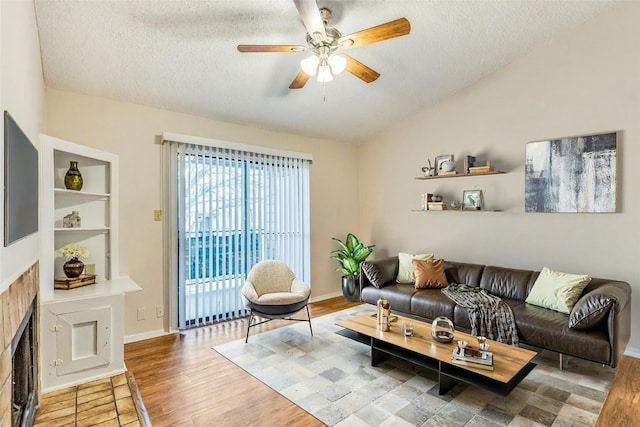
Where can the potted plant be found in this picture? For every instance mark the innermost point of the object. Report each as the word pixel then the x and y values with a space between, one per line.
pixel 351 253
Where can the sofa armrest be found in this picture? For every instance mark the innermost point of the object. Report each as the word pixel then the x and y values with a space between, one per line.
pixel 608 301
pixel 617 293
pixel 619 323
pixel 387 265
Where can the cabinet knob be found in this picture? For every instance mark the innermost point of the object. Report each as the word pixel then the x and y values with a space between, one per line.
pixel 56 328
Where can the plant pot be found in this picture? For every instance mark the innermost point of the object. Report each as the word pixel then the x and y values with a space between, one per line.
pixel 73 268
pixel 351 288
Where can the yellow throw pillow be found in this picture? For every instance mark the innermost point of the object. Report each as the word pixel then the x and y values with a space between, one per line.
pixel 556 290
pixel 430 274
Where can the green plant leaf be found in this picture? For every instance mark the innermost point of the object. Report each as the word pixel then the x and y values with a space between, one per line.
pixel 363 253
pixel 352 242
pixel 351 254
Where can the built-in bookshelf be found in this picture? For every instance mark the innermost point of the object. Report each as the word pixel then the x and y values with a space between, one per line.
pixel 82 329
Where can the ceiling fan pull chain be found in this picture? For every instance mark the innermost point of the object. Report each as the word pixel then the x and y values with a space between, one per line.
pixel 324 95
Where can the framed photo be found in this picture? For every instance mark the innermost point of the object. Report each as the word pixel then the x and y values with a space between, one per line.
pixel 572 174
pixel 439 161
pixel 472 200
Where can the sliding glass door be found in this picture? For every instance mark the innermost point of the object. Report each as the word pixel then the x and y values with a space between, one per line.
pixel 235 208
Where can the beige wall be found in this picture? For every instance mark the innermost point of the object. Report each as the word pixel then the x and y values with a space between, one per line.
pixel 586 81
pixel 131 132
pixel 22 95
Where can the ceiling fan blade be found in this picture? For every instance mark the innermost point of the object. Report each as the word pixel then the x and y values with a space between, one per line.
pixel 397 28
pixel 310 14
pixel 300 80
pixel 270 48
pixel 360 70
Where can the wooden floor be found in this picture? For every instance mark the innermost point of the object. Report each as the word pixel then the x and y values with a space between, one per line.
pixel 183 382
pixel 622 407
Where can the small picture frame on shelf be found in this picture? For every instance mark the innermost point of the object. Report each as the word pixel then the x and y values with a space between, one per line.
pixel 440 160
pixel 472 200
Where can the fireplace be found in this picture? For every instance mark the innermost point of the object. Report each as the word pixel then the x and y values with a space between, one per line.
pixel 19 342
pixel 24 357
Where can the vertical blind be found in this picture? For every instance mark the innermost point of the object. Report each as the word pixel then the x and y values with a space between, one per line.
pixel 234 209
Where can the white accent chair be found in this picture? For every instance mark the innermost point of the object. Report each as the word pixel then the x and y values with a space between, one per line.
pixel 272 291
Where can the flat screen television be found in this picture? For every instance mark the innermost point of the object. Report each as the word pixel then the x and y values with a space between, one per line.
pixel 20 183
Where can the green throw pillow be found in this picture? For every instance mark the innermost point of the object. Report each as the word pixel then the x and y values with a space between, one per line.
pixel 556 290
pixel 405 266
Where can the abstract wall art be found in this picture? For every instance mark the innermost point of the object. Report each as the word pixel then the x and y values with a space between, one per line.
pixel 572 174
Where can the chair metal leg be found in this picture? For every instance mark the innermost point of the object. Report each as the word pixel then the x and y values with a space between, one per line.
pixel 309 317
pixel 246 340
pixel 251 323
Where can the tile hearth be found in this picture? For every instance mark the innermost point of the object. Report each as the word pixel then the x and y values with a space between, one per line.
pixel 106 402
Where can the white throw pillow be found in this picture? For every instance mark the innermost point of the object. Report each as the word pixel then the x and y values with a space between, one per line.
pixel 556 290
pixel 405 266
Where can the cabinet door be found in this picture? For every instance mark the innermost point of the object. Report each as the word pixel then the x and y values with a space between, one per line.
pixel 83 340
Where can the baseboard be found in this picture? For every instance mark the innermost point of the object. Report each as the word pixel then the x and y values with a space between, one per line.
pixel 633 352
pixel 145 336
pixel 324 297
pixel 160 332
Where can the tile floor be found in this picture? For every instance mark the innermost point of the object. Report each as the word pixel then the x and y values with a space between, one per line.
pixel 106 402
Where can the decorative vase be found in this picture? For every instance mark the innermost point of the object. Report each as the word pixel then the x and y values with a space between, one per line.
pixel 442 329
pixel 73 177
pixel 73 268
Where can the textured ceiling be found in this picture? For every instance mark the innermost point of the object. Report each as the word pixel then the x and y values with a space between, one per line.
pixel 181 56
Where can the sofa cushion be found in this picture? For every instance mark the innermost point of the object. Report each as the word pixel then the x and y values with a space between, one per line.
pixel 507 283
pixel 398 294
pixel 377 274
pixel 431 303
pixel 463 273
pixel 429 274
pixel 556 290
pixel 405 267
pixel 589 311
pixel 461 314
pixel 549 329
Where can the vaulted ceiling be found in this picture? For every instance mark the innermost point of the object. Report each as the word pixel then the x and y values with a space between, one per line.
pixel 182 56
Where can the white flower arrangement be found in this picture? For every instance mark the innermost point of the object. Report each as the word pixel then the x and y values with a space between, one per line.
pixel 74 251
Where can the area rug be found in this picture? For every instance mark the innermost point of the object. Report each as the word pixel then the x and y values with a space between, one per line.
pixel 331 377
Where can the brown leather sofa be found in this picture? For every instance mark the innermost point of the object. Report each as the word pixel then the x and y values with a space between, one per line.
pixel 598 328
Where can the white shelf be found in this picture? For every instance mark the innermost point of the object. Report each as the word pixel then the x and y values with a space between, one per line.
pixel 82 230
pixel 103 288
pixel 96 202
pixel 65 192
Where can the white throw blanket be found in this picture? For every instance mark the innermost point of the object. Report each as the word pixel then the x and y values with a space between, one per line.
pixel 489 315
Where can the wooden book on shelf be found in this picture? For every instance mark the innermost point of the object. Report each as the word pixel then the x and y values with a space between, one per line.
pixel 74 282
pixel 437 206
pixel 481 169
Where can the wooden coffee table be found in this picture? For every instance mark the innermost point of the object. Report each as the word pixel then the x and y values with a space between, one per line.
pixel 511 364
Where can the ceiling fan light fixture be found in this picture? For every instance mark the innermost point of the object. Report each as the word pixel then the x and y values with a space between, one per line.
pixel 346 43
pixel 324 73
pixel 338 63
pixel 310 65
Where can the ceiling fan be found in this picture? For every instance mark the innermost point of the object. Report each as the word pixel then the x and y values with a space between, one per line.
pixel 324 41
